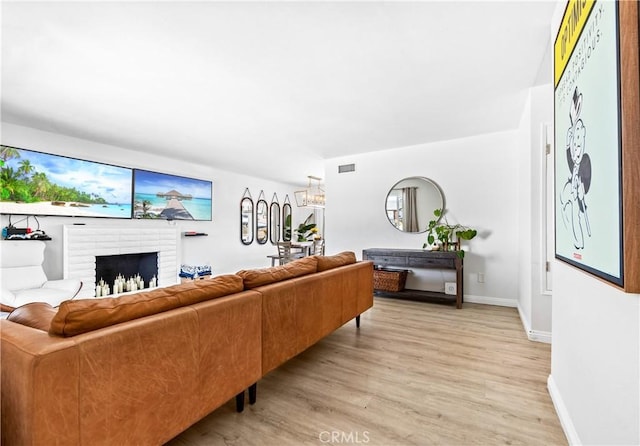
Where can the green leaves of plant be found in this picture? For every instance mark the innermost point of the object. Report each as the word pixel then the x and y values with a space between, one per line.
pixel 444 232
pixel 467 234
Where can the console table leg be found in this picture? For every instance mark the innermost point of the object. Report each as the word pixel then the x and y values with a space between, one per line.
pixel 240 402
pixel 358 321
pixel 253 388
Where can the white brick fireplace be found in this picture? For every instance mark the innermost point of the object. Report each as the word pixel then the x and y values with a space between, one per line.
pixel 81 245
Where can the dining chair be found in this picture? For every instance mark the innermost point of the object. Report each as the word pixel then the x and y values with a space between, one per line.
pixel 285 254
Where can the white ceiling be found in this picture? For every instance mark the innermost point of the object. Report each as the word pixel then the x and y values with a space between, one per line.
pixel 270 88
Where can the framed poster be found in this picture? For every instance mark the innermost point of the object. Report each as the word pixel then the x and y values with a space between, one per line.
pixel 588 140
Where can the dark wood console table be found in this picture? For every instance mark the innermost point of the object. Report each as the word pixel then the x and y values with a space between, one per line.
pixel 418 258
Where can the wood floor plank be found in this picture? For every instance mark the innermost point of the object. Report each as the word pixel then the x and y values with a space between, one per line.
pixel 414 374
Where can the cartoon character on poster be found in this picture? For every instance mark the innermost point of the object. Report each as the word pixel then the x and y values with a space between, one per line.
pixel 574 191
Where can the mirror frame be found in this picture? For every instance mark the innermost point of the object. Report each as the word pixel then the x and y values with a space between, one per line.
pixel 430 211
pixel 262 203
pixel 274 214
pixel 287 229
pixel 248 200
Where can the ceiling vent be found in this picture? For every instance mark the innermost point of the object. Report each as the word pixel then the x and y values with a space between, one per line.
pixel 347 168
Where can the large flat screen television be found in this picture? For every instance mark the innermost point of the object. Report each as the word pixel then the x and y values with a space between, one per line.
pixel 171 197
pixel 37 183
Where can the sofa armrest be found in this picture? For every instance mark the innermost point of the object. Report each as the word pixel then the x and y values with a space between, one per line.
pixel 37 369
pixel 7 299
pixel 72 286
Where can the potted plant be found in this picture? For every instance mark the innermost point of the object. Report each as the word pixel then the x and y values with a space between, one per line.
pixel 447 234
pixel 306 231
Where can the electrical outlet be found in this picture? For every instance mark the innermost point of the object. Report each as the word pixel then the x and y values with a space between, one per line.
pixel 480 277
pixel 450 288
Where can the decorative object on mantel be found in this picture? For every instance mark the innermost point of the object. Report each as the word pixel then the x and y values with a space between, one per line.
pixel 262 219
pixel 274 220
pixel 194 272
pixel 286 219
pixel 446 236
pixel 306 230
pixel 312 196
pixel 246 218
pixel 124 285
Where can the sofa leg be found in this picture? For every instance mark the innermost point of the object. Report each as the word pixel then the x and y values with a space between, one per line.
pixel 252 393
pixel 240 402
pixel 358 321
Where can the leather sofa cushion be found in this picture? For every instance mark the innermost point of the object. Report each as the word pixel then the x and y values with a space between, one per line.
pixel 83 315
pixel 254 278
pixel 35 315
pixel 334 261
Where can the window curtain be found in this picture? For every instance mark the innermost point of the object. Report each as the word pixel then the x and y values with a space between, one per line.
pixel 410 214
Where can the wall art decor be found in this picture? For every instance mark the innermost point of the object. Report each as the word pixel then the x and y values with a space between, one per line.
pixel 591 227
pixel 171 197
pixel 38 183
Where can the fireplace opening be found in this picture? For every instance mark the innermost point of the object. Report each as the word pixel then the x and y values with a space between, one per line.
pixel 126 267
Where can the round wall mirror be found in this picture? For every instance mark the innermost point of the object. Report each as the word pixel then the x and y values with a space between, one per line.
pixel 286 220
pixel 262 217
pixel 410 204
pixel 246 220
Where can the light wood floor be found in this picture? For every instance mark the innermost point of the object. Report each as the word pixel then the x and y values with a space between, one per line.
pixel 413 374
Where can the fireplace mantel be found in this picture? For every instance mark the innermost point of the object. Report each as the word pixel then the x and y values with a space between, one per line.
pixel 82 243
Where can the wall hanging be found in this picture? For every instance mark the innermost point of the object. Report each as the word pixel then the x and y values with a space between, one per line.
pixel 274 220
pixel 247 216
pixel 262 219
pixel 596 136
pixel 286 219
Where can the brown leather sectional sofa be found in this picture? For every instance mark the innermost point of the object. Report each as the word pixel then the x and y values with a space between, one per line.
pixel 140 369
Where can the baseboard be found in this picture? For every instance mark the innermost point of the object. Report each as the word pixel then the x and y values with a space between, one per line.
pixel 533 335
pixel 486 300
pixel 539 336
pixel 563 413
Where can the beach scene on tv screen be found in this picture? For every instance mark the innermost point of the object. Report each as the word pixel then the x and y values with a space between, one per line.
pixel 37 183
pixel 170 197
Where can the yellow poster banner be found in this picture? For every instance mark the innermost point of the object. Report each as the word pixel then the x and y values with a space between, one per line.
pixel 573 21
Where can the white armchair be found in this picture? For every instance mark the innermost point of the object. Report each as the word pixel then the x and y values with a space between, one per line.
pixel 24 280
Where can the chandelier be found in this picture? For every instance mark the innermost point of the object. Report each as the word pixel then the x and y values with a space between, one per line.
pixel 312 196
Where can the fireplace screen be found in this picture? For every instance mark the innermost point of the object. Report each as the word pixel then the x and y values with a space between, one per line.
pixel 126 272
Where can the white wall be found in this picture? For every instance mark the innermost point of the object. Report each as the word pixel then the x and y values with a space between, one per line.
pixel 595 359
pixel 524 216
pixel 478 176
pixel 222 248
pixel 534 305
pixel 595 355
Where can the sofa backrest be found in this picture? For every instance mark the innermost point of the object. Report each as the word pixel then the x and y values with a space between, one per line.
pixel 329 262
pixel 83 315
pixel 254 278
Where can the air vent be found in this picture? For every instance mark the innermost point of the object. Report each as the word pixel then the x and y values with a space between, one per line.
pixel 347 168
